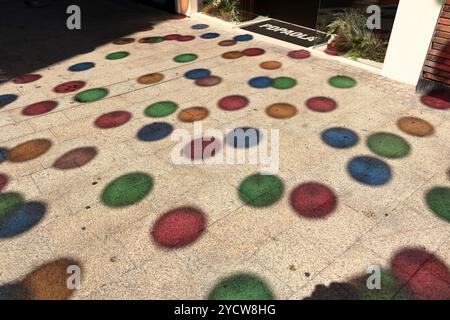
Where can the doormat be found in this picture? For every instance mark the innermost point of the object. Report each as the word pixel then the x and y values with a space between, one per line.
pixel 292 33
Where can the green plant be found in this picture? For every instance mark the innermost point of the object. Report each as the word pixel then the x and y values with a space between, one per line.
pixel 354 38
pixel 227 9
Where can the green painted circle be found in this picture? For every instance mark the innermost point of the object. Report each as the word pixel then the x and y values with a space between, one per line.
pixel 161 109
pixel 9 202
pixel 117 55
pixel 342 82
pixel 438 200
pixel 156 39
pixel 127 190
pixel 185 57
pixel 91 95
pixel 284 83
pixel 241 287
pixel 261 190
pixel 388 145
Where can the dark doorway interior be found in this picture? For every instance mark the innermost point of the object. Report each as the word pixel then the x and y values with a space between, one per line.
pixel 168 5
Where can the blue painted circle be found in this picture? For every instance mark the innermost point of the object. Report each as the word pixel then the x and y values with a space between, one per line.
pixel 21 220
pixel 210 35
pixel 200 26
pixel 369 170
pixel 243 37
pixel 260 82
pixel 3 154
pixel 6 99
pixel 244 137
pixel 197 74
pixel 340 138
pixel 81 66
pixel 155 131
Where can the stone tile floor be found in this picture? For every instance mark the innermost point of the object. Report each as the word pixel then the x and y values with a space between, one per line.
pixel 86 175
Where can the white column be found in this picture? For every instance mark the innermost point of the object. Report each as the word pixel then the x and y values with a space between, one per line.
pixel 410 39
pixel 188 7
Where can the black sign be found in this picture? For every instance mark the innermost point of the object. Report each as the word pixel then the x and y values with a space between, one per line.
pixel 292 33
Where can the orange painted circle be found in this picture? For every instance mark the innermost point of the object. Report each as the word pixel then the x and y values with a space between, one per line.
pixel 281 110
pixel 193 114
pixel 29 150
pixel 150 78
pixel 270 65
pixel 232 55
pixel 415 126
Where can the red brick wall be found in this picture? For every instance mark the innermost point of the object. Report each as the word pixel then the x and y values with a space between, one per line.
pixel 437 63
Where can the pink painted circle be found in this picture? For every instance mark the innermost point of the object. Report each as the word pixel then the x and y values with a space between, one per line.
pixel 299 54
pixel 321 104
pixel 39 108
pixel 232 103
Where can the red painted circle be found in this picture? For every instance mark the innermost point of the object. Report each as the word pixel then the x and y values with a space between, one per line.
pixel 299 54
pixel 313 200
pixel 70 86
pixel 321 104
pixel 27 78
pixel 3 181
pixel 185 38
pixel 252 52
pixel 201 148
pixel 427 277
pixel 179 227
pixel 437 100
pixel 231 103
pixel 172 37
pixel 112 119
pixel 38 108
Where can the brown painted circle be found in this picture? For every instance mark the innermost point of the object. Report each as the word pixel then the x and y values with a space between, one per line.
pixel 415 126
pixel 281 110
pixel 75 158
pixel 123 41
pixel 232 55
pixel 70 86
pixel 29 150
pixel 150 78
pixel 271 65
pixel 227 43
pixel 193 114
pixel 49 281
pixel 209 81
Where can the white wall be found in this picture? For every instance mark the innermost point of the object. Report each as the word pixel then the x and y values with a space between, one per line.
pixel 410 39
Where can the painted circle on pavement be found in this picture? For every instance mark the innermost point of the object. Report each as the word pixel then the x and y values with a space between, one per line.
pixel 155 131
pixel 415 126
pixel 127 190
pixel 26 78
pixel 202 148
pixel 112 119
pixel 70 86
pixel 210 35
pixel 260 82
pixel 39 108
pixel 123 41
pixel 209 81
pixel 244 137
pixel 261 190
pixel 253 52
pixel 281 110
pixel 321 104
pixel 438 200
pixel 83 66
pixel 6 99
pixel 200 26
pixel 232 55
pixel 117 55
pixel 243 37
pixel 437 100
pixel 388 145
pixel 227 43
pixel 340 138
pixel 150 78
pixel 29 150
pixel 75 158
pixel 270 65
pixel 161 109
pixel 179 227
pixel 91 95
pixel 284 83
pixel 299 54
pixel 232 103
pixel 197 74
pixel 342 82
pixel 3 181
pixel 313 200
pixel 185 57
pixel 241 287
pixel 369 170
pixel 193 114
